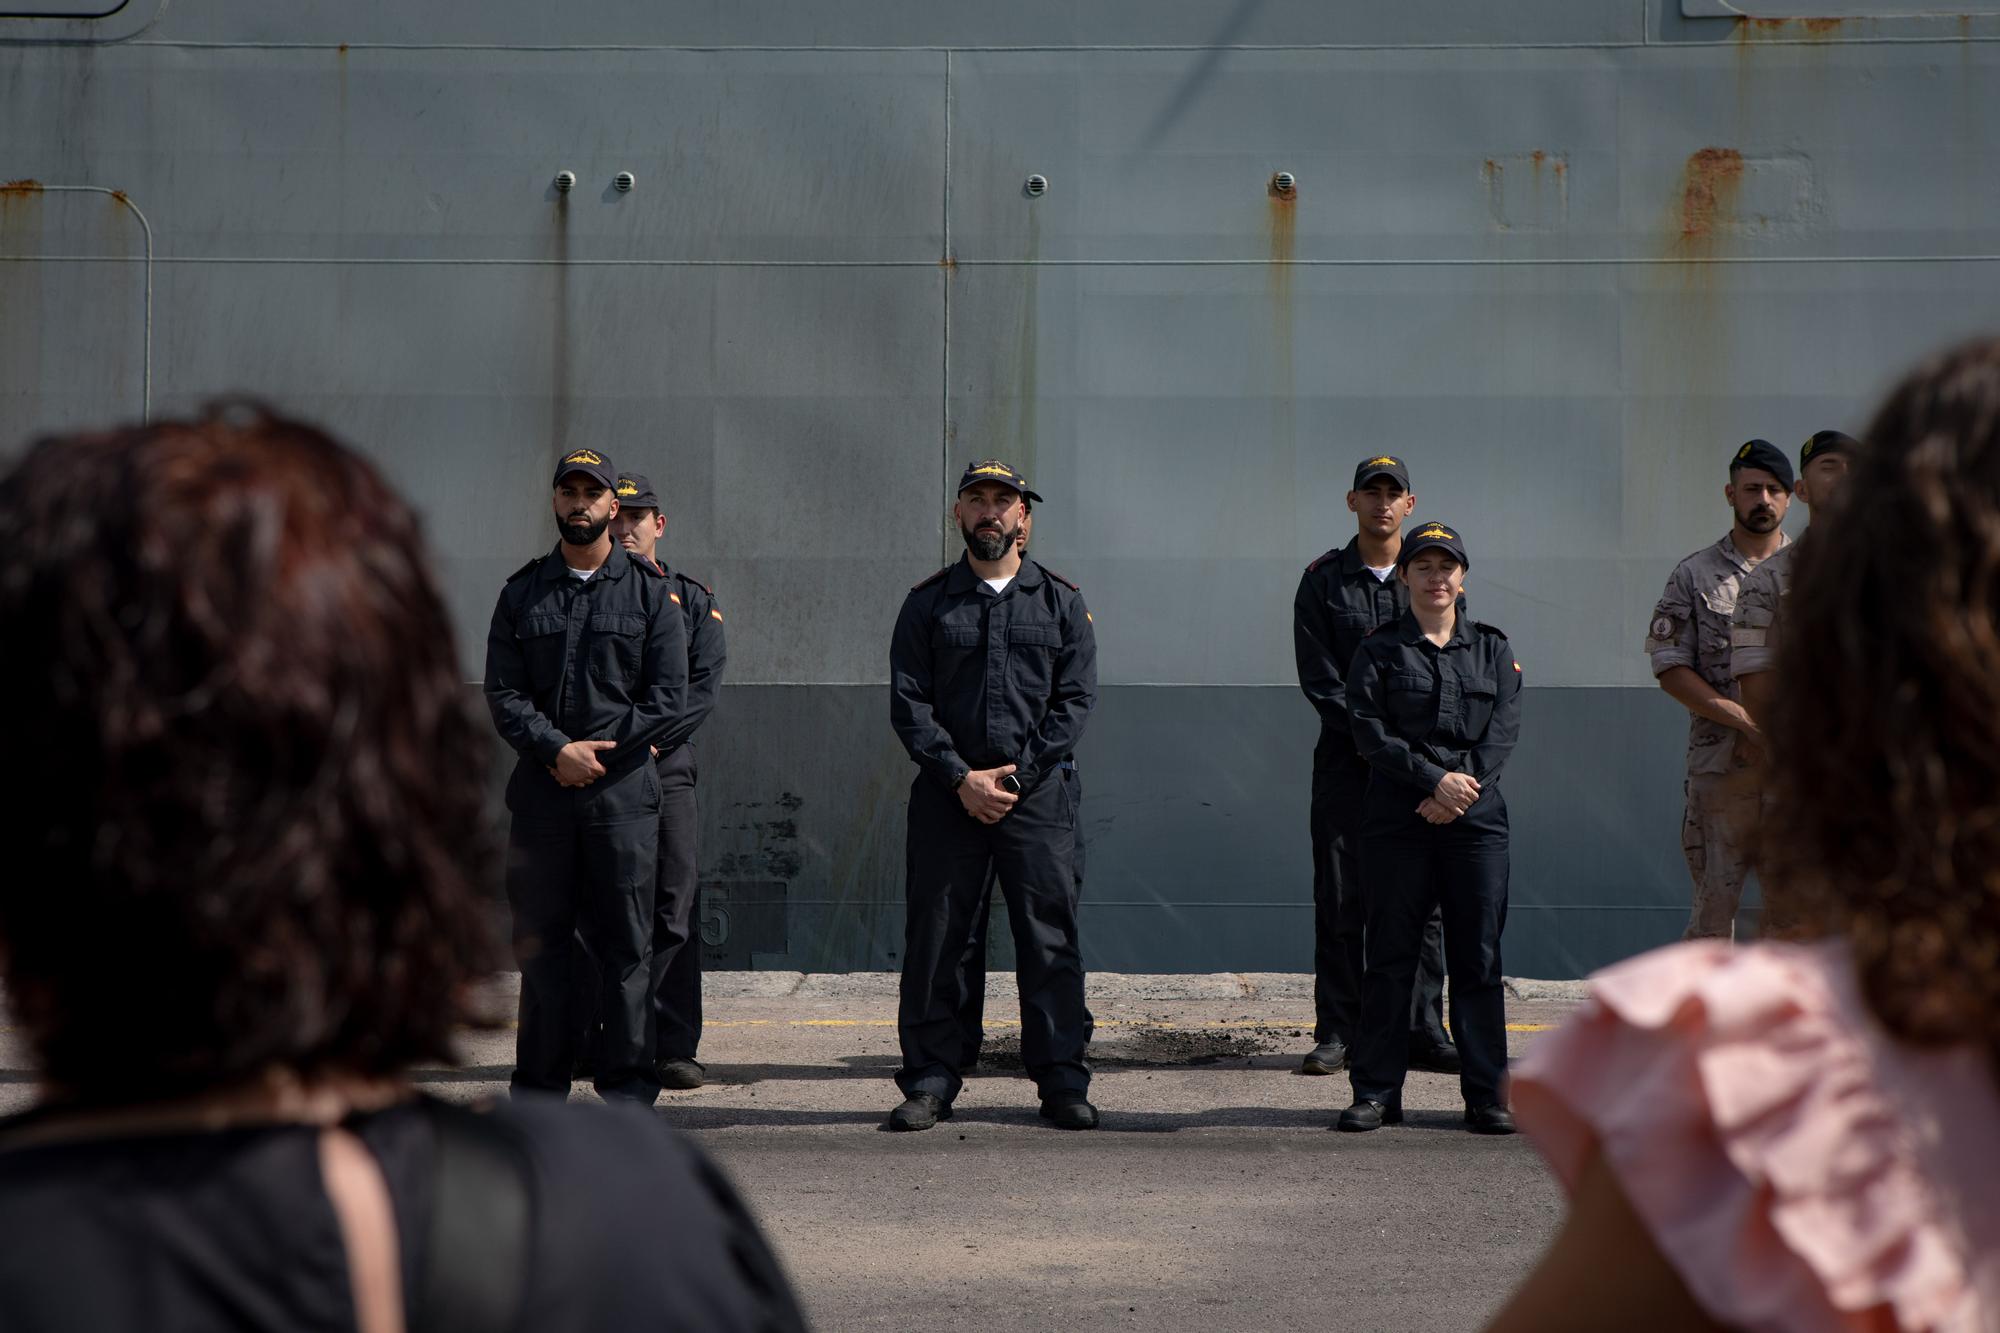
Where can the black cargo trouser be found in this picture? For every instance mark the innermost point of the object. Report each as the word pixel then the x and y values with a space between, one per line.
pixel 580 863
pixel 972 1010
pixel 677 912
pixel 1340 914
pixel 1413 868
pixel 951 858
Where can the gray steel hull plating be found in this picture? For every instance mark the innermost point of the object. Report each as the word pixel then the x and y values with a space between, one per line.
pixel 1561 254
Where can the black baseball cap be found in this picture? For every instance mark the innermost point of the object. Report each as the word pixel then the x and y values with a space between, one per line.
pixel 1764 455
pixel 1826 442
pixel 591 464
pixel 992 469
pixel 1430 536
pixel 635 492
pixel 1381 465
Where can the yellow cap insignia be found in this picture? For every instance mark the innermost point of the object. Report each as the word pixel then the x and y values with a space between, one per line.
pixel 1744 452
pixel 993 470
pixel 1435 531
pixel 586 456
pixel 627 488
pixel 1383 461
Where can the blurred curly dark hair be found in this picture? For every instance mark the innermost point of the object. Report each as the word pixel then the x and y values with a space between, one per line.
pixel 248 829
pixel 1886 740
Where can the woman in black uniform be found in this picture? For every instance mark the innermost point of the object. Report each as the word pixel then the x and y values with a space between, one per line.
pixel 1435 702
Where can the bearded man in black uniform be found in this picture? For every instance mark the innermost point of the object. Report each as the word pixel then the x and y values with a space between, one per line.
pixel 992 676
pixel 586 671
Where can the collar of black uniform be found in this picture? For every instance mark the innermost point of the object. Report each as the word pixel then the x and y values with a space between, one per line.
pixel 555 567
pixel 1412 632
pixel 1351 562
pixel 963 580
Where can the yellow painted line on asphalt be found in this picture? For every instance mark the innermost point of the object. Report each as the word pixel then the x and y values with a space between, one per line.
pixel 1015 1022
pixel 1001 1023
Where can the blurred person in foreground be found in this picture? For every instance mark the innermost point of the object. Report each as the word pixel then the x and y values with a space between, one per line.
pixel 1802 1136
pixel 244 902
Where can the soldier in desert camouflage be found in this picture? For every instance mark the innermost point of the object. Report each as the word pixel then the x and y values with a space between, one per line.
pixel 1688 642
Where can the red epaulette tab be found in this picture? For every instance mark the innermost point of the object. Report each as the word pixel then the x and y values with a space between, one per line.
pixel 932 579
pixel 1059 578
pixel 647 563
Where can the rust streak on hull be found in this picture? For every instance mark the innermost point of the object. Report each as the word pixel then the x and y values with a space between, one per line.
pixel 1708 189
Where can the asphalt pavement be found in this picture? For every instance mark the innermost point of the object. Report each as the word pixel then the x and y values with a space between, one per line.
pixel 1215 1196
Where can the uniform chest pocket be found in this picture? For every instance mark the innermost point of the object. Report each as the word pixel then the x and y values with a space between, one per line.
pixel 952 646
pixel 1412 703
pixel 1034 636
pixel 1031 655
pixel 1409 682
pixel 541 640
pixel 1712 619
pixel 617 644
pixel 1476 696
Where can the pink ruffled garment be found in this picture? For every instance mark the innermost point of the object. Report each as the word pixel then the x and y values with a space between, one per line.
pixel 1798 1168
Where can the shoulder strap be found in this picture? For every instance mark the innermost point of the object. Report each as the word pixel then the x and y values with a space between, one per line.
pixel 932 579
pixel 475 1269
pixel 524 569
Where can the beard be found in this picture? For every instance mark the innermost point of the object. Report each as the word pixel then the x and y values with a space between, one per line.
pixel 1760 519
pixel 991 542
pixel 581 531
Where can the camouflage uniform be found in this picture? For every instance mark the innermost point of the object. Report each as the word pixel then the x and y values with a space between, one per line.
pixel 1690 628
pixel 1753 631
pixel 1753 648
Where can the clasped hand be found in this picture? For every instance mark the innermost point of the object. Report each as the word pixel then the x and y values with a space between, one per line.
pixel 983 797
pixel 1454 795
pixel 576 763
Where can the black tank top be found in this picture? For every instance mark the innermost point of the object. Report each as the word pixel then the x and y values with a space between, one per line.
pixel 632 1228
